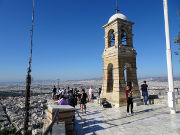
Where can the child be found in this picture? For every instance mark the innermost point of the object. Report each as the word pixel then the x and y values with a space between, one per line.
pixel 129 93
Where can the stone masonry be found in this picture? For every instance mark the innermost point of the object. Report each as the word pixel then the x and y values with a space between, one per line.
pixel 119 62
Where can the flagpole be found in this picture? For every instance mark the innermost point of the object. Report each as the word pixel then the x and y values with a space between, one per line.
pixel 171 93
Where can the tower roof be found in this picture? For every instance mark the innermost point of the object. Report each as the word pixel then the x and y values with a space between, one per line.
pixel 116 16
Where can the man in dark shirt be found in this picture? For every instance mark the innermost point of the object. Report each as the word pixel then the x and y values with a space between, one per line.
pixel 71 99
pixel 144 88
pixel 54 92
pixel 99 92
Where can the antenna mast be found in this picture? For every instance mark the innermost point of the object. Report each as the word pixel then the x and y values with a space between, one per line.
pixel 28 83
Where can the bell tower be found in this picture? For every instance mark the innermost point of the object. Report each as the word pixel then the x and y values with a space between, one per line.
pixel 119 60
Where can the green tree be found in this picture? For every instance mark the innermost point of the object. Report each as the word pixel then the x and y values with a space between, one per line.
pixel 10 131
pixel 177 41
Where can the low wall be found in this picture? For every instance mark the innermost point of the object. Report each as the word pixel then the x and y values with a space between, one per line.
pixel 66 113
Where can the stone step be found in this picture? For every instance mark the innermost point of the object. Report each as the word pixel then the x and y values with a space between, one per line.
pixel 138 103
pixel 136 99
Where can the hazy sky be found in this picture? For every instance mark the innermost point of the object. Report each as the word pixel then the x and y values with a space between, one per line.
pixel 69 38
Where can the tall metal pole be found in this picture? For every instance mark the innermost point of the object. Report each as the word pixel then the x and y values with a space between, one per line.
pixel 28 84
pixel 171 93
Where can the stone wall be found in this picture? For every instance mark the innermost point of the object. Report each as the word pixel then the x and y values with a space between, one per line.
pixel 122 58
pixel 66 113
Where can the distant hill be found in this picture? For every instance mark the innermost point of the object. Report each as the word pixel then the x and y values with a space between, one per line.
pixel 158 79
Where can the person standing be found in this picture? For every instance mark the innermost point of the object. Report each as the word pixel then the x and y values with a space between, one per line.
pixel 99 92
pixel 65 92
pixel 75 92
pixel 68 89
pixel 60 92
pixel 129 92
pixel 90 94
pixel 144 88
pixel 54 92
pixel 71 99
pixel 83 101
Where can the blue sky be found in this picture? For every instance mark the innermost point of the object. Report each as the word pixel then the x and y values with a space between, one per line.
pixel 69 38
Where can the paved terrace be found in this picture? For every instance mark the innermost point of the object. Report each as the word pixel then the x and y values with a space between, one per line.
pixel 147 120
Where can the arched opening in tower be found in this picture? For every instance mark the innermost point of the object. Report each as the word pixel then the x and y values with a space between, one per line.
pixel 124 38
pixel 110 78
pixel 111 38
pixel 125 74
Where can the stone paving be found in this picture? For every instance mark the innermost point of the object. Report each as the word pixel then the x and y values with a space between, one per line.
pixel 147 120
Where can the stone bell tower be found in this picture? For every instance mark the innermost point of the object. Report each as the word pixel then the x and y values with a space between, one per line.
pixel 119 60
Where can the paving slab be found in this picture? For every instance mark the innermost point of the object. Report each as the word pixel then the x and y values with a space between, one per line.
pixel 147 120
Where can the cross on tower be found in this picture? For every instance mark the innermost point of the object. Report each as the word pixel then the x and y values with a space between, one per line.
pixel 117 10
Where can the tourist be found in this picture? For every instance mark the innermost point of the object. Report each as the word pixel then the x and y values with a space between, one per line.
pixel 68 89
pixel 83 101
pixel 54 92
pixel 63 91
pixel 60 92
pixel 90 94
pixel 144 88
pixel 71 99
pixel 66 92
pixel 99 92
pixel 129 98
pixel 75 92
pixel 62 100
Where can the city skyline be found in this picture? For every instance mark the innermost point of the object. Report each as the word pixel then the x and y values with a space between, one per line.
pixel 69 38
